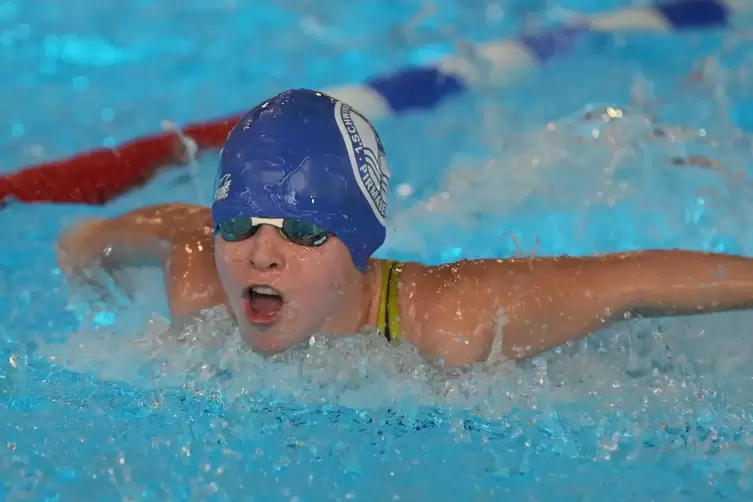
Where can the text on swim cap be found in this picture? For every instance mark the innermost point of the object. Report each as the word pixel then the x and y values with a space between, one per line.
pixel 366 159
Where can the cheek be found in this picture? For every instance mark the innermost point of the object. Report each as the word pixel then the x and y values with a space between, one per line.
pixel 316 272
pixel 228 269
pixel 327 280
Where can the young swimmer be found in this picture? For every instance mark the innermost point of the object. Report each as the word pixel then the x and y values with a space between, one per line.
pixel 299 210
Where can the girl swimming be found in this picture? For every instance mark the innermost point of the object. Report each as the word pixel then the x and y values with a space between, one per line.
pixel 287 246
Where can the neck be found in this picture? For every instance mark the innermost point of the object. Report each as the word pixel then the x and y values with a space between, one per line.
pixel 362 306
pixel 370 294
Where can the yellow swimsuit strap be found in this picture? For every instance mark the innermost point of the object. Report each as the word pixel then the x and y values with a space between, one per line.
pixel 388 319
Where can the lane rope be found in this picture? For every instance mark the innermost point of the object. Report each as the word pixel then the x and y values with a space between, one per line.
pixel 97 176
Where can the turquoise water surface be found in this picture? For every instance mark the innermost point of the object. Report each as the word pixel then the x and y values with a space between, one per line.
pixel 95 409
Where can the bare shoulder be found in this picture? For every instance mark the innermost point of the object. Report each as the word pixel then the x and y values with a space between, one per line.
pixel 191 274
pixel 454 311
pixel 467 281
pixel 441 307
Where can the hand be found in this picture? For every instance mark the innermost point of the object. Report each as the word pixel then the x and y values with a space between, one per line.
pixel 78 247
pixel 82 256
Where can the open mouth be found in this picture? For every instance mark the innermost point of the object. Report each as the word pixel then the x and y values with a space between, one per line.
pixel 262 304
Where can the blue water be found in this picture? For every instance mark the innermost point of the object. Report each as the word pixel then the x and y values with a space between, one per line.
pixel 659 408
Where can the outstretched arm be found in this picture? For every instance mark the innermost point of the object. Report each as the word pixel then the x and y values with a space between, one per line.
pixel 176 237
pixel 146 234
pixel 539 303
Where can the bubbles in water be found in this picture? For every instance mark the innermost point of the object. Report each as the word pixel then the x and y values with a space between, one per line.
pixel 13 361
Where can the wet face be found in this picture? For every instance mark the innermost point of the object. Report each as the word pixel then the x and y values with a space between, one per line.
pixel 282 293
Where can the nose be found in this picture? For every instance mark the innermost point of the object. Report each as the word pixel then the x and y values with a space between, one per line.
pixel 264 250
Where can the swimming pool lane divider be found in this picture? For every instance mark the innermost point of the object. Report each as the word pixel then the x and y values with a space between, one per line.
pixel 98 176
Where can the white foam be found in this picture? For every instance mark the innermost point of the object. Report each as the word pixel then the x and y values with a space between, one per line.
pixel 631 365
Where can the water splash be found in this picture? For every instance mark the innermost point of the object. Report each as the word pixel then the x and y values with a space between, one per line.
pixel 561 187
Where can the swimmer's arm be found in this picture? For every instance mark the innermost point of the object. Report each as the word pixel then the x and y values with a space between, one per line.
pixel 143 236
pixel 191 280
pixel 176 237
pixel 540 303
pixel 482 310
pixel 675 282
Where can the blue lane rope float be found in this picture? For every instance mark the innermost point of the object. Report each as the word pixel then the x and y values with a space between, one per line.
pixel 425 87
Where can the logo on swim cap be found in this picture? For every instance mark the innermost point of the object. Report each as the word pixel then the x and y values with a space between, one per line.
pixel 366 158
pixel 223 188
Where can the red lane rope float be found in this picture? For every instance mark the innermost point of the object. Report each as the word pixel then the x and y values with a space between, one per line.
pixel 97 176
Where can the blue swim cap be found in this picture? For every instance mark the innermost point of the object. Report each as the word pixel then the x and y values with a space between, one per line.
pixel 303 154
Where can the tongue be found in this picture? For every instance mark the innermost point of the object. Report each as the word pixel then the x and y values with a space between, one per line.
pixel 263 308
pixel 266 304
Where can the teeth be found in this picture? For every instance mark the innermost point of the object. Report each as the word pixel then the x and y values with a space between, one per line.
pixel 264 290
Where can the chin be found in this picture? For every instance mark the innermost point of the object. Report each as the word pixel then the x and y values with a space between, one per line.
pixel 268 343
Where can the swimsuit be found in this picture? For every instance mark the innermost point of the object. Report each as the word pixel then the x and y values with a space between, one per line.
pixel 388 320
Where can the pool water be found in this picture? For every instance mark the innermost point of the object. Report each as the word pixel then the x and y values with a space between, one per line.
pixel 102 402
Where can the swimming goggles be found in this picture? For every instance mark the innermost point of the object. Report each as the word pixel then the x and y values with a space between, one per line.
pixel 296 231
